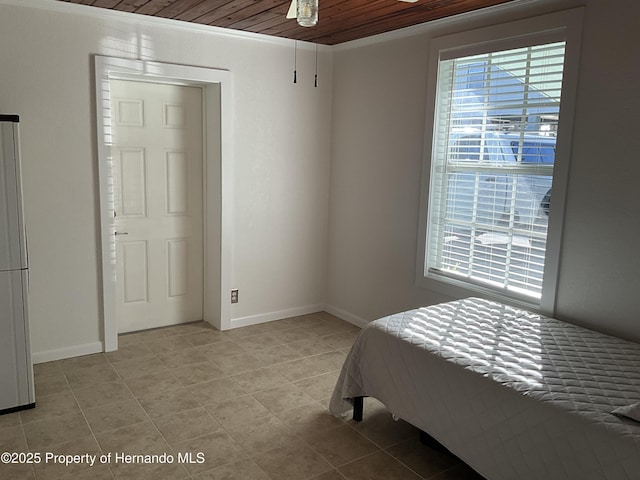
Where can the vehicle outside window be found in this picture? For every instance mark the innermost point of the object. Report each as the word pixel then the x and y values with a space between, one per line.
pixel 495 179
pixel 498 196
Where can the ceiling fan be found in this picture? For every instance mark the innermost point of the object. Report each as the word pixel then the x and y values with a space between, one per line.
pixel 306 11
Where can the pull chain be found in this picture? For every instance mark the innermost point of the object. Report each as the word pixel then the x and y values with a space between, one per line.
pixel 295 61
pixel 315 83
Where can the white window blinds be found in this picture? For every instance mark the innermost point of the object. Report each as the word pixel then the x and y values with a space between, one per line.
pixel 492 167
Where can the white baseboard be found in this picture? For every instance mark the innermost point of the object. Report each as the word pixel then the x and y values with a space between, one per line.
pixel 346 316
pixel 278 315
pixel 98 347
pixel 67 352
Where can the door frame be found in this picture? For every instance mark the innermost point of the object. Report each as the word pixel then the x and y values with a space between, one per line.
pixel 217 180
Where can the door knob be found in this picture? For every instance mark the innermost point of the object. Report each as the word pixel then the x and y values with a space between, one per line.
pixel 121 233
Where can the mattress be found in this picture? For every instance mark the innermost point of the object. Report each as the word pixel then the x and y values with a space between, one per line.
pixel 516 395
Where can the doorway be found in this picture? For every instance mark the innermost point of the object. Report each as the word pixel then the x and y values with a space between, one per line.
pixel 215 86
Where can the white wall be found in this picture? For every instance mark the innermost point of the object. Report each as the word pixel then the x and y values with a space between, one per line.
pixel 281 163
pixel 378 134
pixel 378 131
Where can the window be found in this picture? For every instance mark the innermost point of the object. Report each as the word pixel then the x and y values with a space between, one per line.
pixel 498 114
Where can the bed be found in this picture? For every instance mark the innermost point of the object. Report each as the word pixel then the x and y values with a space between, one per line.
pixel 515 395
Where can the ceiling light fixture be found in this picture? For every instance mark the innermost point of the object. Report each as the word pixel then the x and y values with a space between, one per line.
pixel 305 11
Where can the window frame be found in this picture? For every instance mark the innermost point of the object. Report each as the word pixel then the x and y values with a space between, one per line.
pixel 565 26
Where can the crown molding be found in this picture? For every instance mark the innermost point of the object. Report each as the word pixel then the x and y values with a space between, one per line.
pixel 423 28
pixel 147 20
pixel 436 25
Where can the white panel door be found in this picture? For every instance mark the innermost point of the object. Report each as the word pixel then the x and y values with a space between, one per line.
pixel 157 166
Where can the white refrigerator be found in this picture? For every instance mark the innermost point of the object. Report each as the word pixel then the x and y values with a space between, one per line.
pixel 16 369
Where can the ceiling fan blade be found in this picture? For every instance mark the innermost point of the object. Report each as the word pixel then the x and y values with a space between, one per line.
pixel 293 9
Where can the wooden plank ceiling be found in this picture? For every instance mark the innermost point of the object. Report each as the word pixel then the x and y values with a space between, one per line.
pixel 338 20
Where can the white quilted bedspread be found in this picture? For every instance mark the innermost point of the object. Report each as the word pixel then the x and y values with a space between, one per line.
pixel 514 394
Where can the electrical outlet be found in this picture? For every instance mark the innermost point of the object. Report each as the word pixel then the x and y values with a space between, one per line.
pixel 234 295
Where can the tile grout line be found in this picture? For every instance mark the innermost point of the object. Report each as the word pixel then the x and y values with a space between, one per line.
pixel 289 382
pixel 249 351
pixel 190 476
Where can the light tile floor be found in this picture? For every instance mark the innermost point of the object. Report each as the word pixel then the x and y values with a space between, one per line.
pixel 252 402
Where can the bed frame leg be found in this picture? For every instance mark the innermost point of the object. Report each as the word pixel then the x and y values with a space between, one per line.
pixel 358 407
